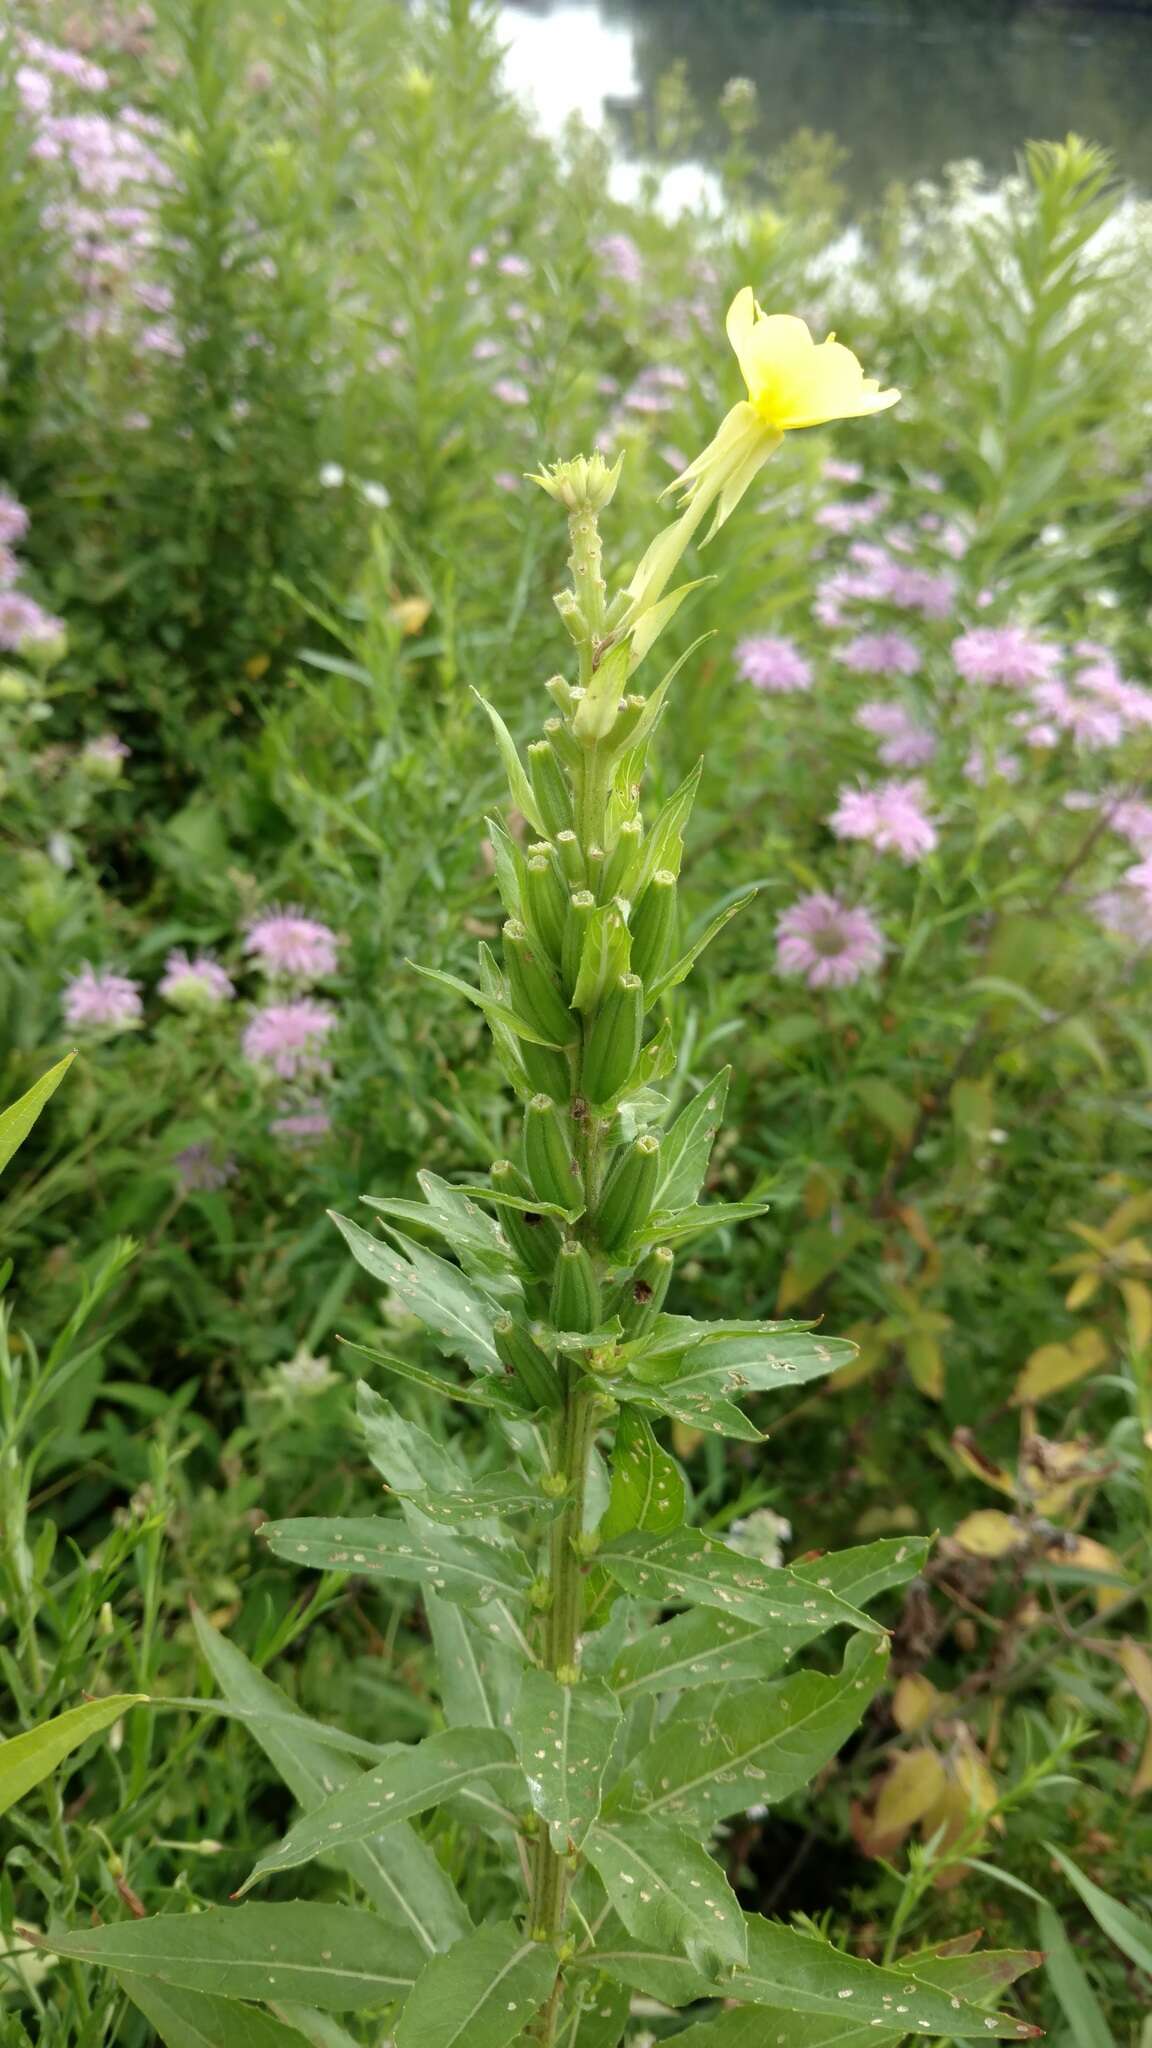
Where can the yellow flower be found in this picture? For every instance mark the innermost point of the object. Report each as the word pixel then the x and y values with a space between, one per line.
pixel 792 380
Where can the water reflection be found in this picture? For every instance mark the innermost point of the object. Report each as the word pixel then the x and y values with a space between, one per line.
pixel 905 88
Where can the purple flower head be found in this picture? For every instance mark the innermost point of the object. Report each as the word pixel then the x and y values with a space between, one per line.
pixel 904 743
pixel 1126 913
pixel 287 1039
pixel 621 258
pixel 1088 720
pixel 288 945
pixel 827 943
pixel 195 984
pixel 890 816
pixel 773 664
pixel 199 1172
pixel 513 266
pixel 837 472
pixel 1132 820
pixel 510 391
pixel 13 518
pixel 101 1003
pixel 24 623
pixel 1002 767
pixel 104 756
pixel 303 1125
pixel 1140 878
pixel 882 654
pixel 1004 654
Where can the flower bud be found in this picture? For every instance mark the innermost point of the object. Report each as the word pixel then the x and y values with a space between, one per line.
pixel 638 1300
pixel 534 1238
pixel 613 1044
pixel 521 1356
pixel 575 1303
pixel 548 1158
pixel 571 859
pixel 626 1203
pixel 620 867
pixel 654 926
pixel 549 787
pixel 546 1069
pixel 581 909
pixel 534 991
pixel 585 484
pixel 546 901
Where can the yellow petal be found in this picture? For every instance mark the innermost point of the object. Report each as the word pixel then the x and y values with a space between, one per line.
pixel 792 380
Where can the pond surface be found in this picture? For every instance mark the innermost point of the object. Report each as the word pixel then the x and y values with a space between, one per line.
pixel 906 86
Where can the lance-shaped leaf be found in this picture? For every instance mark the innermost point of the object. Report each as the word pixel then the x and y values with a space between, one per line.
pixel 328 1956
pixel 398 1871
pixel 730 1367
pixel 709 1412
pixel 751 2026
pixel 26 1760
pixel 519 787
pixel 564 1737
pixel 496 1011
pixel 686 1568
pixel 488 1393
pixel 978 1977
pixel 664 845
pixel 407 1457
pixel 595 2013
pixel 432 1289
pixel 687 1147
pixel 703 1647
pixel 647 1484
pixel 385 1547
pixel 478 1677
pixel 191 2019
pixel 497 1493
pixel 455 1217
pixel 682 1225
pixel 17 1120
pixel 666 1888
pixel 404 1785
pixel 528 1205
pixel 483 1994
pixel 795 1974
pixel 682 968
pixel 754 1745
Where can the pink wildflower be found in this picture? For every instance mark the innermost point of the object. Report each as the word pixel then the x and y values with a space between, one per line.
pixel 882 654
pixel 99 1002
pixel 289 945
pixel 890 816
pixel 24 623
pixel 773 664
pixel 621 258
pixel 827 943
pixel 1004 654
pixel 904 743
pixel 195 984
pixel 1127 913
pixel 297 1126
pixel 287 1038
pixel 13 518
pixel 510 391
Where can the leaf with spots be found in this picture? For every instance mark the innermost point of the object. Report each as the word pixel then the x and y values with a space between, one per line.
pixel 686 1568
pixel 407 1783
pixel 733 1366
pixel 310 1952
pixel 398 1871
pixel 755 1745
pixel 697 1411
pixel 475 1238
pixel 564 1737
pixel 595 2015
pixel 647 1483
pixel 384 1546
pixel 687 1147
pixel 432 1290
pixel 702 1647
pixel 667 1888
pixel 190 2019
pixel 483 1994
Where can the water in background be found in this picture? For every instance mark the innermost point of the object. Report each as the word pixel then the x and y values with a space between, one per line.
pixel 906 86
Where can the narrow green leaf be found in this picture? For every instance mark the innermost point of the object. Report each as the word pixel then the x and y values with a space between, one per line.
pixel 595 2014
pixel 486 1393
pixel 397 1871
pixel 322 1955
pixel 604 957
pixel 385 1547
pixel 682 968
pixel 753 1746
pixel 754 2026
pixel 454 1217
pixel 682 1225
pixel 1066 1974
pixel 564 1737
pixel 519 787
pixel 735 1366
pixel 666 1888
pixel 1131 1932
pixel 190 2019
pixel 697 1411
pixel 478 1677
pixel 17 1120
pixel 497 1493
pixel 495 1011
pixel 686 1567
pixel 26 1760
pixel 703 1647
pixel 501 1200
pixel 483 1994
pixel 664 845
pixel 430 1288
pixel 647 1483
pixel 687 1146
pixel 404 1785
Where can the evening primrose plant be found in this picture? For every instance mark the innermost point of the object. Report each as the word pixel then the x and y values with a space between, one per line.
pixel 613 1682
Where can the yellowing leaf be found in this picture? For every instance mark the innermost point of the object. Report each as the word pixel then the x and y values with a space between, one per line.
pixel 988 1533
pixel 1054 1366
pixel 1084 1553
pixel 925 1363
pixel 912 1786
pixel 870 1347
pixel 1054 1473
pixel 980 1465
pixel 915 1702
pixel 410 613
pixel 1138 1303
pixel 1082 1290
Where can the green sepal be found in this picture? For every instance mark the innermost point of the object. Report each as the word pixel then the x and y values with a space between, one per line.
pixel 550 788
pixel 535 993
pixel 654 927
pixel 531 1368
pixel 519 787
pixel 575 1303
pixel 613 1044
pixel 595 715
pixel 604 957
pixel 622 863
pixel 549 1160
pixel 546 1070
